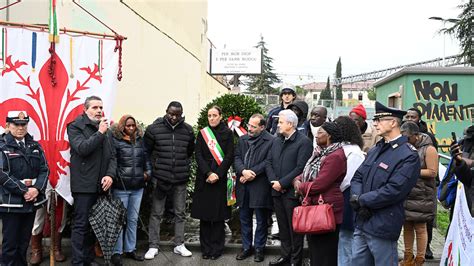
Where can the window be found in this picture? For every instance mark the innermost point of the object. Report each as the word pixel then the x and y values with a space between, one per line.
pixel 315 96
pixel 349 95
pixel 361 96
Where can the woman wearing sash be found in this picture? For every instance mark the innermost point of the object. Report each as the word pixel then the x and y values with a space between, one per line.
pixel 214 157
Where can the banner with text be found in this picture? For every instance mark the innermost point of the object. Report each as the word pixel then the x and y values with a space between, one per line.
pixel 459 245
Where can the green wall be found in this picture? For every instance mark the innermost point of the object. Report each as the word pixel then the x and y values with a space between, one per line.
pixel 445 100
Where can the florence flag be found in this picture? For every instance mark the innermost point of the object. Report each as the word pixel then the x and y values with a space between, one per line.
pixel 53 94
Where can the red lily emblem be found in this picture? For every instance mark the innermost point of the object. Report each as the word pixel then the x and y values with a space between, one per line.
pixel 51 108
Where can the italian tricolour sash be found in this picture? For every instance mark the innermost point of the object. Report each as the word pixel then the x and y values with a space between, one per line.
pixel 218 155
pixel 213 145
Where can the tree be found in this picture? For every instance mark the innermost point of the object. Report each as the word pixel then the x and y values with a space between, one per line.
pixel 326 93
pixel 372 94
pixel 262 83
pixel 300 91
pixel 462 30
pixel 338 78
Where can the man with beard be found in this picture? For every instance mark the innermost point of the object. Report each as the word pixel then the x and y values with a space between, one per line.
pixel 170 142
pixel 252 190
pixel 93 167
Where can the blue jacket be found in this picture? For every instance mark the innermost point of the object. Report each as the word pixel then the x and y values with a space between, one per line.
pixel 272 121
pixel 16 165
pixel 383 182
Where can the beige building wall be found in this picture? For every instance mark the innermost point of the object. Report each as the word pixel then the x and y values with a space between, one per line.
pixel 165 57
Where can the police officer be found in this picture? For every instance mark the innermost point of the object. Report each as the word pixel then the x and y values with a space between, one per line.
pixel 379 188
pixel 23 178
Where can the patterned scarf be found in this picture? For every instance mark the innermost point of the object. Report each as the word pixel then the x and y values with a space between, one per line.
pixel 313 165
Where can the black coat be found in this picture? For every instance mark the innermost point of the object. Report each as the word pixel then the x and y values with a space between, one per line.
pixel 132 163
pixel 286 160
pixel 170 148
pixel 16 165
pixel 259 189
pixel 92 156
pixel 210 200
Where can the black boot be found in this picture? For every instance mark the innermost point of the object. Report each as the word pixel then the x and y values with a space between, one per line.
pixel 116 260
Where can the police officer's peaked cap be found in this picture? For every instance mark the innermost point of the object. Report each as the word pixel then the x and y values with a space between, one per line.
pixel 382 110
pixel 18 117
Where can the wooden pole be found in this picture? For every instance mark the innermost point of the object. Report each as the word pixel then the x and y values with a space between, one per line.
pixel 52 221
pixel 64 30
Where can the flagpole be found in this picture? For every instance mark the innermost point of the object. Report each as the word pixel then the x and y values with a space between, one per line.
pixel 64 30
pixel 52 221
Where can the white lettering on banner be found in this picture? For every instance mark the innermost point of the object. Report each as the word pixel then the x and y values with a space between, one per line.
pixel 459 247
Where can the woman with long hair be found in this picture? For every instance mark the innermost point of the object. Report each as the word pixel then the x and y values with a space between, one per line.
pixel 133 169
pixel 214 156
pixel 352 144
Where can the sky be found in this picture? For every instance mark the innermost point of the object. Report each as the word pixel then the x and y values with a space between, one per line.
pixel 305 38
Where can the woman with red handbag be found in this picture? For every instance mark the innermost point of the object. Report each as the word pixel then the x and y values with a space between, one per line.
pixel 322 176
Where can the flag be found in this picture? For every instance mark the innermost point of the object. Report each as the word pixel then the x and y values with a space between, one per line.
pixel 52 107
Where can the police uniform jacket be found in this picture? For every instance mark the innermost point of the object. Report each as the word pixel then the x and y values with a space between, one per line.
pixel 16 165
pixel 383 182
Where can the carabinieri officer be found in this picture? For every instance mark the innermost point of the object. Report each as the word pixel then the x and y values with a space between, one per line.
pixel 23 178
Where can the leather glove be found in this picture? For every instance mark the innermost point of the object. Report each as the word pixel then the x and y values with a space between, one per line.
pixel 364 213
pixel 354 202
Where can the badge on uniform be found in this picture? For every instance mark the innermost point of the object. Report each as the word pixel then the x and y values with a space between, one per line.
pixel 383 166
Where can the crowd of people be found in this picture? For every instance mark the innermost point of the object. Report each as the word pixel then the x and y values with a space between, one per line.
pixel 378 177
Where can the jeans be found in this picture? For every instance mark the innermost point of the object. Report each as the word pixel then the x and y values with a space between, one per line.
pixel 344 252
pixel 246 214
pixel 370 250
pixel 131 201
pixel 158 207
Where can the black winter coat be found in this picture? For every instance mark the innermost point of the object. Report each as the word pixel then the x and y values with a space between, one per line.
pixel 210 200
pixel 259 190
pixel 132 163
pixel 286 160
pixel 16 165
pixel 170 148
pixel 92 155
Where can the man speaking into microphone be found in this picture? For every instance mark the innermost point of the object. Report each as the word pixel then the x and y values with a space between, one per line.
pixel 93 168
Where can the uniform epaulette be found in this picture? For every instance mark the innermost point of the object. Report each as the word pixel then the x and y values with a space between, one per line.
pixel 411 147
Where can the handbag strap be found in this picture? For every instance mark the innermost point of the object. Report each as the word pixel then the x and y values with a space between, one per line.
pixel 320 200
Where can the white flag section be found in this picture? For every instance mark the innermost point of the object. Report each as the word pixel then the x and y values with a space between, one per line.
pixel 459 245
pixel 83 66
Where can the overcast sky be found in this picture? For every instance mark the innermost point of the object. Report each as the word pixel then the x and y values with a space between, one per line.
pixel 306 37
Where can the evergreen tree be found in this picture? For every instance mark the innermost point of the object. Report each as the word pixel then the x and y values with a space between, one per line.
pixel 463 30
pixel 338 77
pixel 262 84
pixel 326 93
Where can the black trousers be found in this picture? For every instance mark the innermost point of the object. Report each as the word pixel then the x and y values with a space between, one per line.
pixel 212 237
pixel 82 237
pixel 16 237
pixel 291 242
pixel 323 248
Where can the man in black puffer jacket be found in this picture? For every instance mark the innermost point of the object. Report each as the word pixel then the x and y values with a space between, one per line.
pixel 170 142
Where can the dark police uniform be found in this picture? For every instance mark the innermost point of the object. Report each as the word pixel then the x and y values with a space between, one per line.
pixel 17 164
pixel 380 186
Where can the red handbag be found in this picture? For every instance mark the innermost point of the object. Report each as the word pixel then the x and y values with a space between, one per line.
pixel 313 219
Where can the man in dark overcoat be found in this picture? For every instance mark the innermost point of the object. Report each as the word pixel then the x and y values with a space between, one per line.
pixel 252 189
